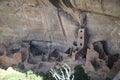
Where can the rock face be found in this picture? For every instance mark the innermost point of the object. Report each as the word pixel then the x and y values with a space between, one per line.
pixel 59 21
pixel 29 21
pixel 55 24
pixel 108 7
pixel 104 28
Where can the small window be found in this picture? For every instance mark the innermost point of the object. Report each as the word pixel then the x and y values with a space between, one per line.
pixel 81 37
pixel 80 44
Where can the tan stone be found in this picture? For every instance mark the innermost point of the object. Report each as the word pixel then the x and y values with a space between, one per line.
pixel 108 7
pixel 9 61
pixel 104 70
pixel 90 57
pixel 69 58
pixel 106 28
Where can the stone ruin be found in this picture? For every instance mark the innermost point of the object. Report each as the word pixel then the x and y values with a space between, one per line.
pixel 40 56
pixel 40 33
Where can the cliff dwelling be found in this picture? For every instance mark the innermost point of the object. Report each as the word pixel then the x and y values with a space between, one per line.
pixel 41 34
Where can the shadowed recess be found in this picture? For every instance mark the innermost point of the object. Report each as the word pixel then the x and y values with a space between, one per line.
pixel 56 3
pixel 67 3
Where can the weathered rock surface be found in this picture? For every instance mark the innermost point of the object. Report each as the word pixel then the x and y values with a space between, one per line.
pixel 57 22
pixel 108 7
pixel 27 21
pixel 41 20
pixel 106 28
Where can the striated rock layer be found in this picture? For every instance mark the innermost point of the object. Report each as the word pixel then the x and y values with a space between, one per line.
pixel 59 21
pixel 56 23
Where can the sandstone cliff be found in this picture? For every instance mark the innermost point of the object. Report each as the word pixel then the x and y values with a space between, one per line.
pixel 56 23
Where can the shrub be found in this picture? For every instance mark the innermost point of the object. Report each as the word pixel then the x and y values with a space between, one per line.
pixel 108 78
pixel 65 73
pixel 11 74
pixel 79 73
pixel 46 76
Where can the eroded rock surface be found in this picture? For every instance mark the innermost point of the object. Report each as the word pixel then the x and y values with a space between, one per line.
pixel 54 25
pixel 44 20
